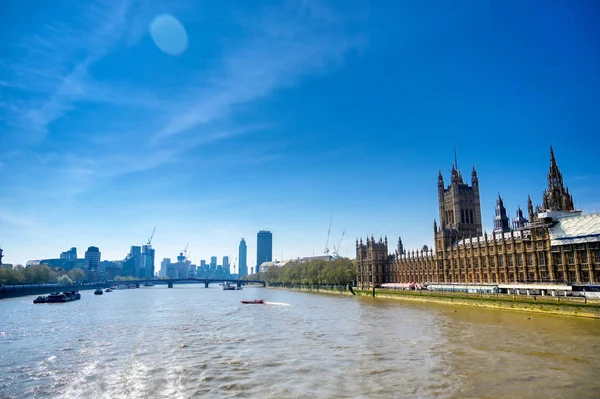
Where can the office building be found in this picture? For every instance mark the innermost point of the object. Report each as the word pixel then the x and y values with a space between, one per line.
pixel 92 257
pixel 70 254
pixel 182 266
pixel 109 269
pixel 131 265
pixel 146 262
pixel 163 267
pixel 264 248
pixel 243 265
pixel 226 268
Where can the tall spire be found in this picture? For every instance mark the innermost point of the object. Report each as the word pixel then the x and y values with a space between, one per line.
pixel 556 197
pixel 501 220
pixel 520 221
pixel 400 247
pixel 530 209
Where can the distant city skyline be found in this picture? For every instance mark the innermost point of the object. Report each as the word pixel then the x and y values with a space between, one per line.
pixel 277 115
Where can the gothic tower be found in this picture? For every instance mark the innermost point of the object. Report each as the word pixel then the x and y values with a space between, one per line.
pixel 400 247
pixel 459 206
pixel 501 221
pixel 530 209
pixel 519 222
pixel 556 197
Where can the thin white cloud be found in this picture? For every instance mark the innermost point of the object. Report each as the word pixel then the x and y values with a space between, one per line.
pixel 53 70
pixel 284 44
pixel 15 220
pixel 281 46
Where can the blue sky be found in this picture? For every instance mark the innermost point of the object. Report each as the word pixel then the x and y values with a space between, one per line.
pixel 275 115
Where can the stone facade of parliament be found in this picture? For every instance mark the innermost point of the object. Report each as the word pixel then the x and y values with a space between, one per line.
pixel 554 244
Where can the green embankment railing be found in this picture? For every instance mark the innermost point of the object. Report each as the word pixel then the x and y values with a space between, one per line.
pixel 532 299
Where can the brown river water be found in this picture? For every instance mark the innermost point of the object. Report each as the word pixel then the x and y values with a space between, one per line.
pixel 191 341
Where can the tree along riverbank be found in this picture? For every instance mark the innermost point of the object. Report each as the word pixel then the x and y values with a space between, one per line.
pixel 566 306
pixel 315 272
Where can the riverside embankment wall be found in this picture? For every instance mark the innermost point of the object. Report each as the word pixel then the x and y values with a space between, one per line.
pixel 10 292
pixel 566 306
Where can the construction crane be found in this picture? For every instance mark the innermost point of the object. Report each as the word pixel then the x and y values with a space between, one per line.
pixel 336 251
pixel 328 234
pixel 185 251
pixel 151 236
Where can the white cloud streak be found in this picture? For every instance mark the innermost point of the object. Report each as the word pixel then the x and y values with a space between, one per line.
pixel 289 42
pixel 54 70
pixel 281 45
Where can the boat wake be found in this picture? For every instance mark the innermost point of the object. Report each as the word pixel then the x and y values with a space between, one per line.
pixel 278 303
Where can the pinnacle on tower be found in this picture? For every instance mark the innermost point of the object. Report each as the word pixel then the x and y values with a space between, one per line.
pixel 530 208
pixel 400 247
pixel 556 197
pixel 519 222
pixel 501 221
pixel 474 178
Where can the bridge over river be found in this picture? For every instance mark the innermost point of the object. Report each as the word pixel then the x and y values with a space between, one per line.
pixel 205 281
pixel 8 291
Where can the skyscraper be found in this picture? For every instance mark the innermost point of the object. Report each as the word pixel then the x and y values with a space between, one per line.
pixel 243 268
pixel 182 266
pixel 264 248
pixel 163 267
pixel 147 262
pixel 226 264
pixel 92 257
pixel 132 262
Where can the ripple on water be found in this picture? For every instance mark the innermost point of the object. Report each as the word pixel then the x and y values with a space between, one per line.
pixel 322 347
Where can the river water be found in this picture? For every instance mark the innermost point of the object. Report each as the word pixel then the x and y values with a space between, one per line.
pixel 191 341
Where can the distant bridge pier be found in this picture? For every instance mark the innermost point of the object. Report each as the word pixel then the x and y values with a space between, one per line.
pixel 239 284
pixel 170 284
pixel 206 284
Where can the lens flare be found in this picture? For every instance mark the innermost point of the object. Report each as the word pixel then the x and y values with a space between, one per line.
pixel 168 34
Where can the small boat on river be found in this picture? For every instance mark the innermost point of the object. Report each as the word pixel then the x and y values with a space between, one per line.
pixel 58 297
pixel 254 302
pixel 98 291
pixel 108 290
pixel 228 287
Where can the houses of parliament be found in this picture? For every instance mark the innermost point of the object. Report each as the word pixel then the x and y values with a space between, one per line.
pixel 555 243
